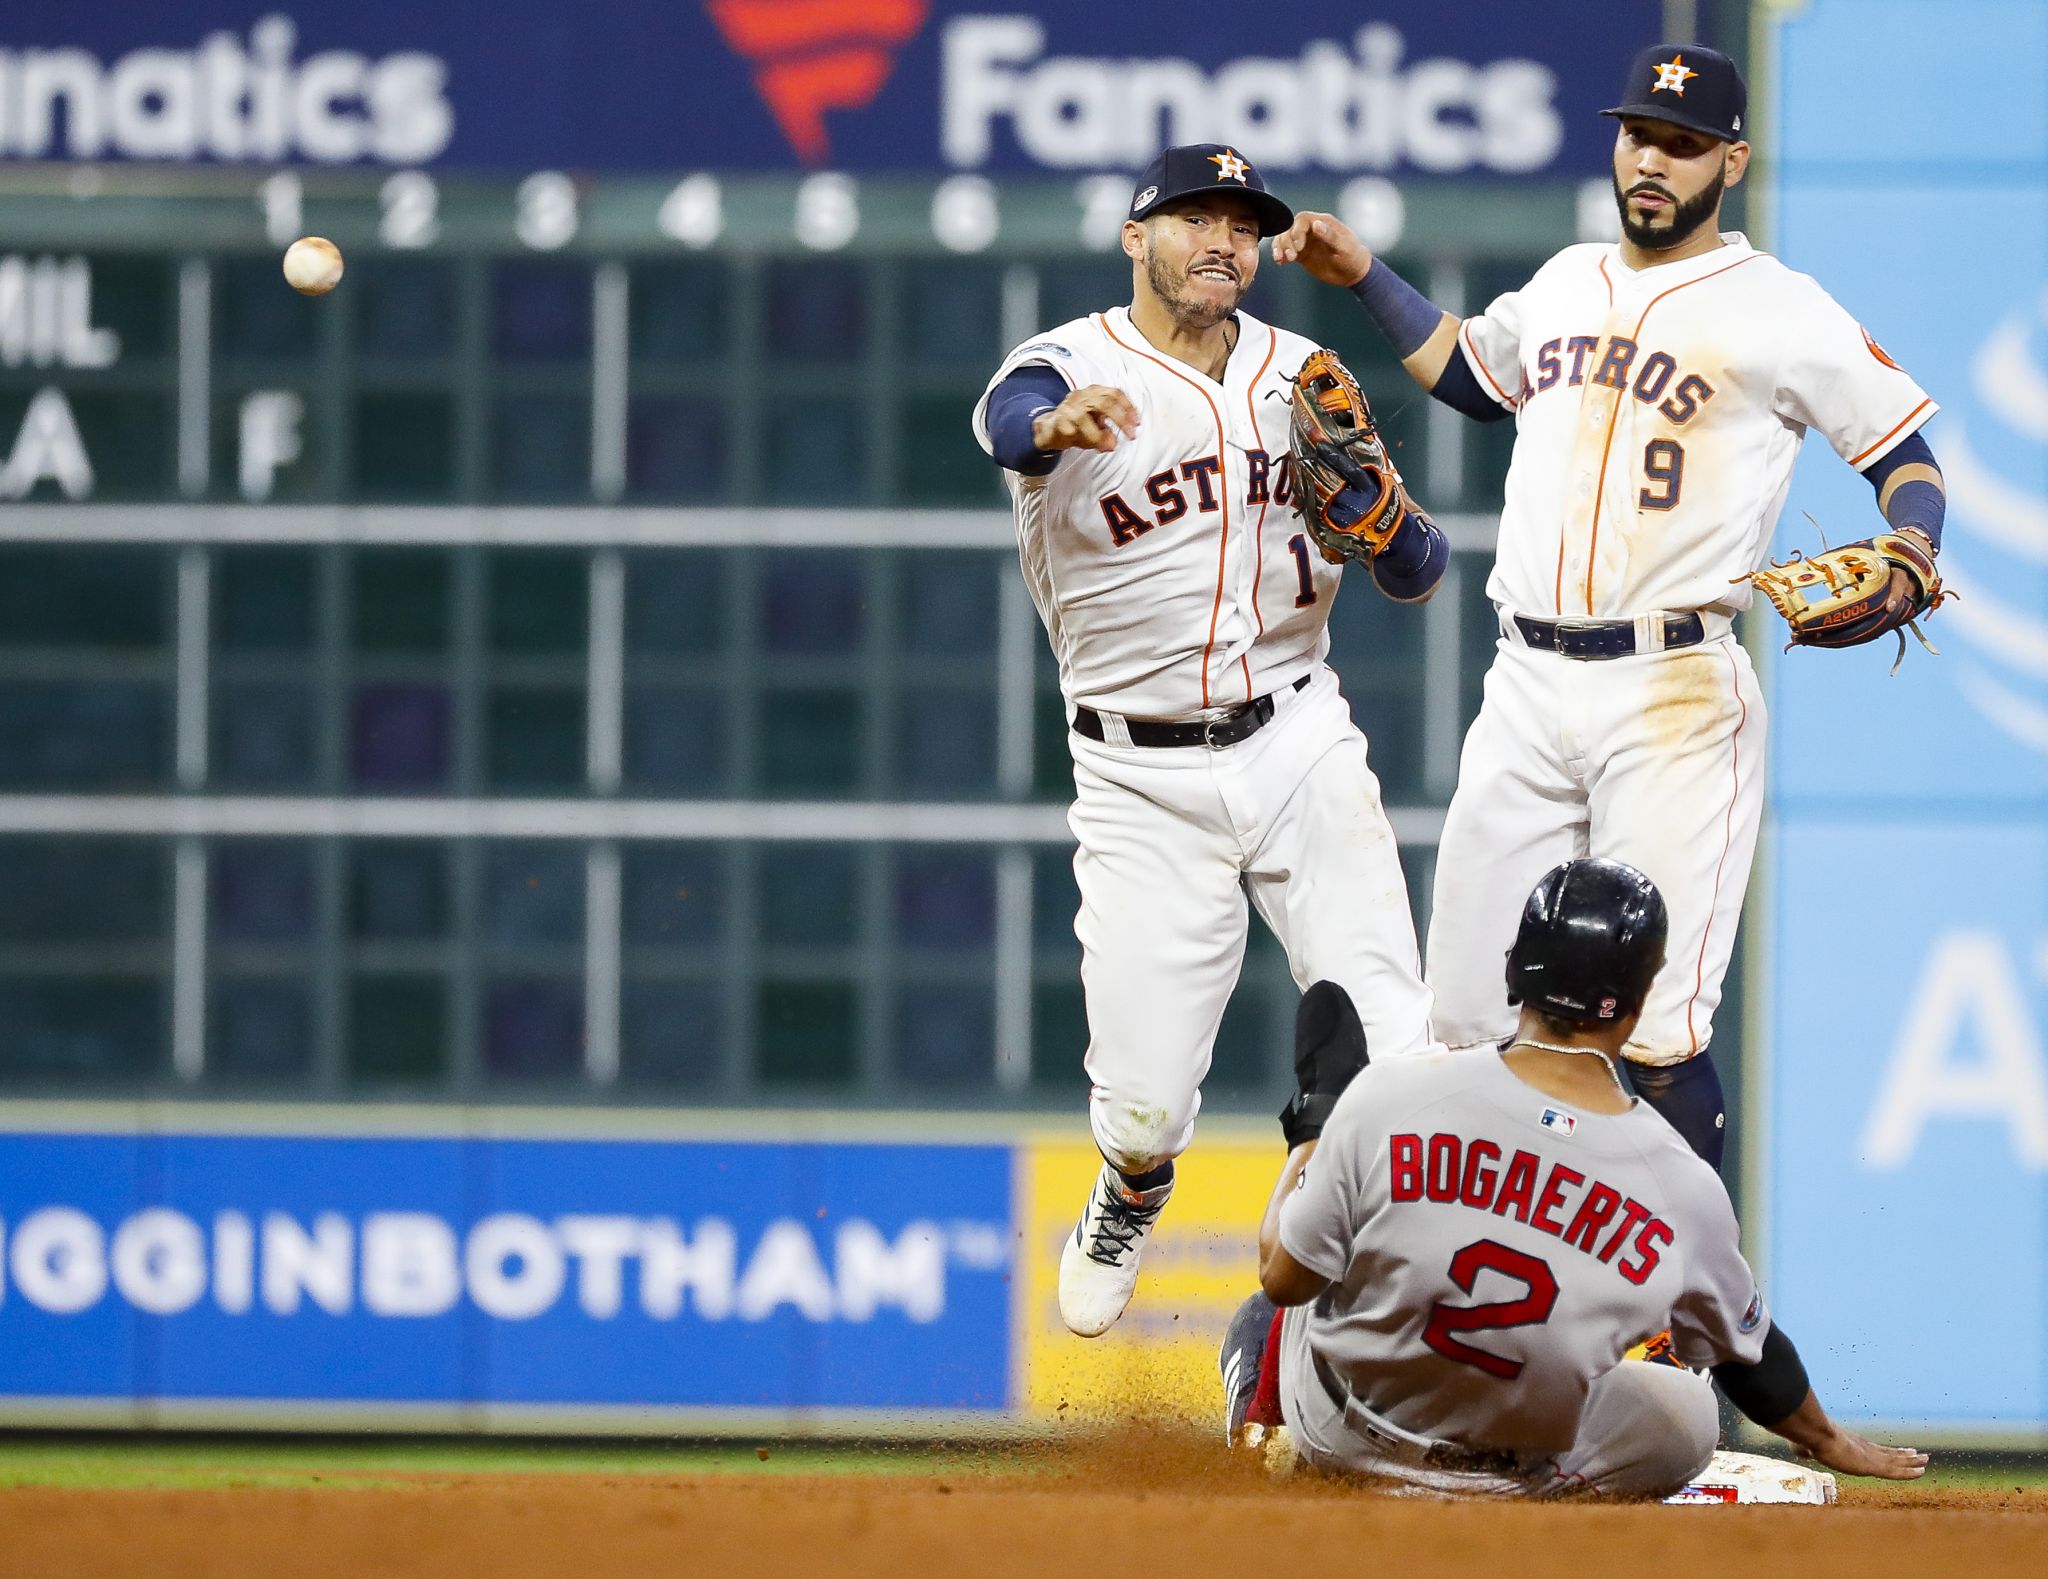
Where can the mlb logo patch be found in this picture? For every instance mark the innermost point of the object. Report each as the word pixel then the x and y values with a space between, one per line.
pixel 1559 1120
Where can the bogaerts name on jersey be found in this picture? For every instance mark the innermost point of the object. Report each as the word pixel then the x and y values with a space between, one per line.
pixel 1589 1216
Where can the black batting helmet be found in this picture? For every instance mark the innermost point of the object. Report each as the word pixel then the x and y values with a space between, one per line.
pixel 1592 937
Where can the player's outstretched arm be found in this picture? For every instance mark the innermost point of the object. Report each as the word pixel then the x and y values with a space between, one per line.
pixel 1422 334
pixel 1776 1394
pixel 1809 1429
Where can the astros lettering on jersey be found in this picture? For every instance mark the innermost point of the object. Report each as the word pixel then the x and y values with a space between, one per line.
pixel 1658 416
pixel 1140 625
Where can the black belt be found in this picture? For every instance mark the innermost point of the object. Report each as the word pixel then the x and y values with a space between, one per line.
pixel 1605 638
pixel 1224 728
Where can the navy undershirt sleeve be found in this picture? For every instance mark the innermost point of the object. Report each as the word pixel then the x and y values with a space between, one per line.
pixel 1408 318
pixel 1771 1390
pixel 1457 388
pixel 1918 503
pixel 1013 405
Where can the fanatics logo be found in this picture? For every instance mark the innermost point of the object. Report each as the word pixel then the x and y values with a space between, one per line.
pixel 1672 76
pixel 814 58
pixel 1559 1120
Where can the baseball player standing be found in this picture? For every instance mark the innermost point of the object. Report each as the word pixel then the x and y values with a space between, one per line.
pixel 1214 756
pixel 1464 1244
pixel 1660 389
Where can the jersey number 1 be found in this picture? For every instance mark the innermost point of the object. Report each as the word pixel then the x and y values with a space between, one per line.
pixel 1531 1310
pixel 1297 545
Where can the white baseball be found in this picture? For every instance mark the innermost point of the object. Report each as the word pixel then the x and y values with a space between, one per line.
pixel 312 265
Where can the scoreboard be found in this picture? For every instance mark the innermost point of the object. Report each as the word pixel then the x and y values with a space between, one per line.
pixel 552 338
pixel 583 653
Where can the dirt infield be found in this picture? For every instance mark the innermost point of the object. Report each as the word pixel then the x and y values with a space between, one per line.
pixel 1084 1515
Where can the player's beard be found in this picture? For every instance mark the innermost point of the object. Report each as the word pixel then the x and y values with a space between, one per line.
pixel 1686 217
pixel 1172 289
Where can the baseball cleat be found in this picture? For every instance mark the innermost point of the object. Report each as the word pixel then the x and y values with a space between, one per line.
pixel 1752 1478
pixel 1240 1358
pixel 1099 1266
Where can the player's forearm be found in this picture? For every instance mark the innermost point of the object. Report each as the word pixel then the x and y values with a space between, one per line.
pixel 1422 334
pixel 1910 492
pixel 1270 1252
pixel 1410 567
pixel 1808 1427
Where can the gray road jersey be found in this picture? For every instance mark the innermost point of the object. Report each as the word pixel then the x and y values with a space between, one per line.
pixel 1492 1251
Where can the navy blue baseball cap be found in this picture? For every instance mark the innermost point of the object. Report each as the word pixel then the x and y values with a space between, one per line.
pixel 1688 85
pixel 1199 169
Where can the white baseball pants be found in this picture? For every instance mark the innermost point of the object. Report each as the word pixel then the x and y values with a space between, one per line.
pixel 1656 760
pixel 1171 840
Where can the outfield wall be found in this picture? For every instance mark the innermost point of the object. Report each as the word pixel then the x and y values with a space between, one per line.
pixel 1906 929
pixel 306 1268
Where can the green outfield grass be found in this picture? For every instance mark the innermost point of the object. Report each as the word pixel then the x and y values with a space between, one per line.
pixel 205 1463
pixel 109 1463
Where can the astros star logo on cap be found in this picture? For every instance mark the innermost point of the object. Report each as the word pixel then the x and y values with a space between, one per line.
pixel 1673 74
pixel 1229 166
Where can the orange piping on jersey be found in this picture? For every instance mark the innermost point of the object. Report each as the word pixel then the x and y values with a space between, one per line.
pixel 1222 488
pixel 1479 362
pixel 1259 531
pixel 1607 280
pixel 1880 444
pixel 1699 974
pixel 1600 492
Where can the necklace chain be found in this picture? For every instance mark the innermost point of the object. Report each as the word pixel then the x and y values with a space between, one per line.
pixel 1613 1073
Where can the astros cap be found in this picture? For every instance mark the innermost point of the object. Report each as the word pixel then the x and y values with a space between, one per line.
pixel 1688 85
pixel 1198 169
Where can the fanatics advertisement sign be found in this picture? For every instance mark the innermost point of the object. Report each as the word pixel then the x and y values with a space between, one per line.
pixel 913 86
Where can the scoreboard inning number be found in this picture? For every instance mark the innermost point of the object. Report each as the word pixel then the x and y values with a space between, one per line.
pixel 823 212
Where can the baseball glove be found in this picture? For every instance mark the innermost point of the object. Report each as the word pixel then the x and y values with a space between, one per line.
pixel 1346 488
pixel 1844 597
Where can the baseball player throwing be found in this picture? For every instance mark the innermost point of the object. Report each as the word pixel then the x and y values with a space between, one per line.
pixel 1660 389
pixel 1214 757
pixel 1462 1245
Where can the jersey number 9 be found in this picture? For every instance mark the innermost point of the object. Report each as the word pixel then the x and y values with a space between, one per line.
pixel 1664 465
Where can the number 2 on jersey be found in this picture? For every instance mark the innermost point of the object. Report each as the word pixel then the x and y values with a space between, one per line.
pixel 1297 545
pixel 1531 1310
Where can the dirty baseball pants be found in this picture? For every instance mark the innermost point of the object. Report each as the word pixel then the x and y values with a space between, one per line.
pixel 1171 841
pixel 1646 1430
pixel 1655 759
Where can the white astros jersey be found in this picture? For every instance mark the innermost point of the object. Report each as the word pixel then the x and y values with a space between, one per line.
pixel 1493 1253
pixel 1658 415
pixel 1172 573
